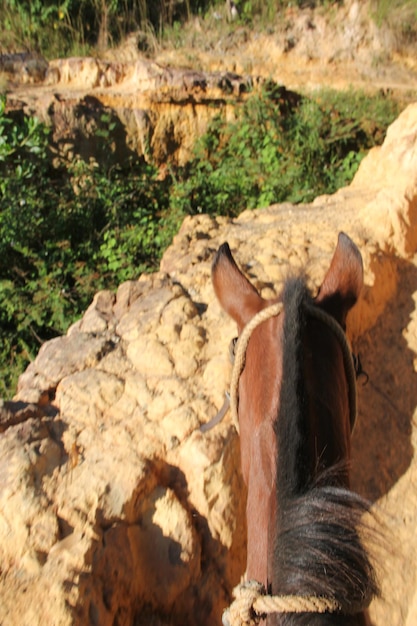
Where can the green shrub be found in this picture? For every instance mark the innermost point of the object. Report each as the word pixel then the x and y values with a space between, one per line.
pixel 64 234
pixel 275 152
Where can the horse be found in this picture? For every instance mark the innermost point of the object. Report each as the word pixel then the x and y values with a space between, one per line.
pixel 295 404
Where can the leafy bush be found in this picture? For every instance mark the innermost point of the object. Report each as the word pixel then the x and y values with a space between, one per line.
pixel 36 25
pixel 277 152
pixel 64 234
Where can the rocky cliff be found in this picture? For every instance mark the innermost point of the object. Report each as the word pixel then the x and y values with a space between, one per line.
pixel 158 100
pixel 115 508
pixel 141 106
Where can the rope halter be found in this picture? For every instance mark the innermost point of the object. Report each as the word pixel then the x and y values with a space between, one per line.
pixel 272 311
pixel 240 354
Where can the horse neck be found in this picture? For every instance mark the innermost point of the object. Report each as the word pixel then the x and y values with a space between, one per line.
pixel 314 542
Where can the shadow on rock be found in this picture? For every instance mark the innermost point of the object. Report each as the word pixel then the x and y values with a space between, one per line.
pixel 381 446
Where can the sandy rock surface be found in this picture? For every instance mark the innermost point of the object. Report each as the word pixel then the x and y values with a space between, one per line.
pixel 114 507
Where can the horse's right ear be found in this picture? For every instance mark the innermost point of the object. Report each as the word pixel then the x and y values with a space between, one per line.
pixel 344 280
pixel 237 296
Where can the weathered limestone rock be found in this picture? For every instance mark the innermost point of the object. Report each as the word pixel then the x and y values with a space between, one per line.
pixel 151 107
pixel 114 507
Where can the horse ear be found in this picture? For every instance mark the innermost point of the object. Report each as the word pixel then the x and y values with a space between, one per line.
pixel 344 280
pixel 237 296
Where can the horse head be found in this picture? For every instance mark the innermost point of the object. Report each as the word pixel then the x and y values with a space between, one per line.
pixel 296 404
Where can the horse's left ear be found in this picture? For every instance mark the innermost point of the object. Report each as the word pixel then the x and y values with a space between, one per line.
pixel 236 294
pixel 344 280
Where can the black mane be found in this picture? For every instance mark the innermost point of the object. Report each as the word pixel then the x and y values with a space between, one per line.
pixel 292 427
pixel 318 548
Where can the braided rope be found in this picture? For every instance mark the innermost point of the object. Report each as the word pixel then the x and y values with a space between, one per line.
pixel 240 355
pixel 251 604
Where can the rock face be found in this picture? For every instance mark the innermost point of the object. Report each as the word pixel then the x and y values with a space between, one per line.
pixel 114 507
pixel 145 106
pixel 139 105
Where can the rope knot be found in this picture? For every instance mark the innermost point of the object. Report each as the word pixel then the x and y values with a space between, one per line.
pixel 241 611
pixel 251 604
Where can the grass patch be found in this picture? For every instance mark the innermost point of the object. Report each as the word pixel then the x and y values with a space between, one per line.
pixel 399 19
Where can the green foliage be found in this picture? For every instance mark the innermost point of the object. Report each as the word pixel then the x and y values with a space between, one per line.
pixel 66 232
pixel 275 152
pixel 36 24
pixel 386 10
